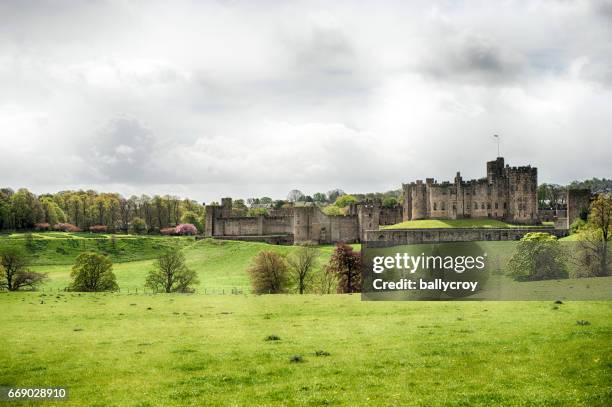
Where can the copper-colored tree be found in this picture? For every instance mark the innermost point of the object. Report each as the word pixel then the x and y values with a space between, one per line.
pixel 345 263
pixel 269 273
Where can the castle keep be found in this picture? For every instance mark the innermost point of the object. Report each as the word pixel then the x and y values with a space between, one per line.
pixel 507 193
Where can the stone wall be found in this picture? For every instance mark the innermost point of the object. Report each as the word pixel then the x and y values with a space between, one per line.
pixel 578 201
pixel 313 226
pixel 374 238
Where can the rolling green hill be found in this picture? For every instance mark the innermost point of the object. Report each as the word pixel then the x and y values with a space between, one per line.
pixel 451 223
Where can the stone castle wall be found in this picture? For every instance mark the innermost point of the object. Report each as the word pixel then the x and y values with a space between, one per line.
pixel 382 238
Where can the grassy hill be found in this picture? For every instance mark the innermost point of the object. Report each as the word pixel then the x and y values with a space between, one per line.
pixel 451 223
pixel 220 264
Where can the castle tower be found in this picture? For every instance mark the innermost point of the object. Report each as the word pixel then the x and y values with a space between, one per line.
pixel 419 201
pixel 495 169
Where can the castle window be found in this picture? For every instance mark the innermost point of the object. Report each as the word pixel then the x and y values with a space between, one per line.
pixel 482 205
pixel 435 207
pixel 505 205
pixel 496 206
pixel 454 207
pixel 488 205
pixel 442 206
pixel 525 188
pixel 511 188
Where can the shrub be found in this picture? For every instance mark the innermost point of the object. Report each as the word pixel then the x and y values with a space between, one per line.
pixel 93 272
pixel 333 210
pixel 42 226
pixel 167 231
pixel 98 229
pixel 268 273
pixel 66 227
pixel 186 229
pixel 577 226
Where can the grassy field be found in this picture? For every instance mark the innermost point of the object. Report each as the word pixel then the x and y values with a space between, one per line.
pixel 168 349
pixel 146 350
pixel 451 223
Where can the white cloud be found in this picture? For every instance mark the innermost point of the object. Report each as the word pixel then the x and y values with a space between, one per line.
pixel 233 98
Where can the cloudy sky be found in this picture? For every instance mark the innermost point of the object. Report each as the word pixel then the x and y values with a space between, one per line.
pixel 232 98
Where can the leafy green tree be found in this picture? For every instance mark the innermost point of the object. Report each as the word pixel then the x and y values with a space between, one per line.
pixel 332 210
pixel 345 200
pixel 14 271
pixel 389 202
pixel 171 274
pixel 194 219
pixel 26 209
pixel 138 226
pixel 269 273
pixel 594 238
pixel 93 272
pixel 538 256
pixel 265 200
pixel 319 197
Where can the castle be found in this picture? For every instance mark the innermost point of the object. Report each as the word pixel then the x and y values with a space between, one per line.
pixel 507 193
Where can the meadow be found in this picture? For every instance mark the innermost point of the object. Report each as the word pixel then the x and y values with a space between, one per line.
pixel 239 349
pixel 453 223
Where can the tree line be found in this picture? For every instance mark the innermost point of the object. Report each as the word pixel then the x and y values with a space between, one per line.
pixel 82 210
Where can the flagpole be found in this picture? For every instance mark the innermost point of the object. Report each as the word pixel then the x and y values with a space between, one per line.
pixel 496 136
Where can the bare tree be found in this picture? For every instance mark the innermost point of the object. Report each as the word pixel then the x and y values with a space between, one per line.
pixel 301 264
pixel 268 273
pixel 14 271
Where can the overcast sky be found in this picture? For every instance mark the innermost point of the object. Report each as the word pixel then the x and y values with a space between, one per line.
pixel 230 98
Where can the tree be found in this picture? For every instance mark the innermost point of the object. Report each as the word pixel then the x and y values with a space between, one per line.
pixel 269 273
pixel 93 272
pixel 192 218
pixel 538 256
pixel 389 202
pixel 295 195
pixel 239 208
pixel 138 226
pixel 334 194
pixel 345 200
pixel 595 236
pixel 186 229
pixel 345 264
pixel 319 197
pixel 265 200
pixel 171 274
pixel 301 264
pixel 14 271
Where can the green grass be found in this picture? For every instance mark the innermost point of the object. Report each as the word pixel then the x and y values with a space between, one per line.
pixel 168 349
pixel 221 264
pixel 451 223
pixel 177 350
pixel 57 248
